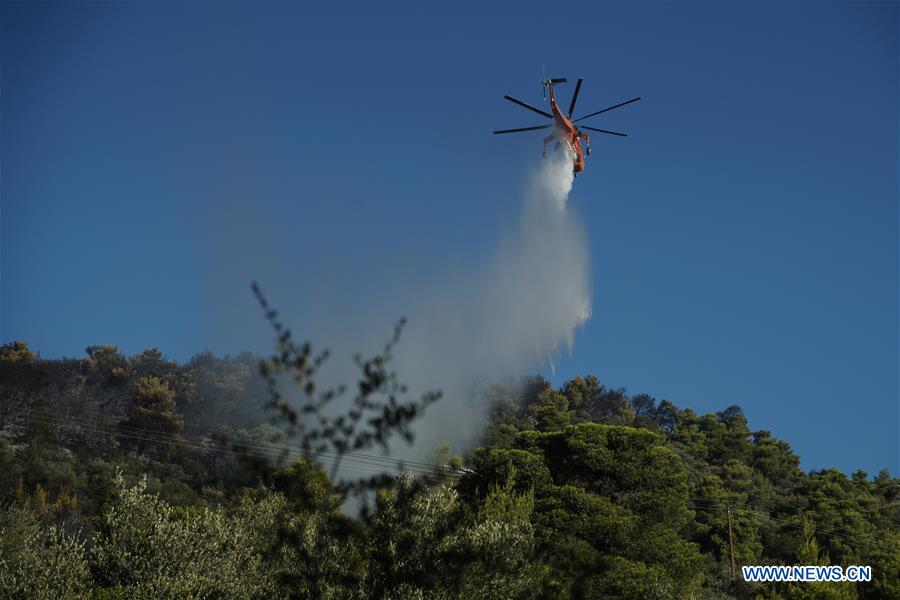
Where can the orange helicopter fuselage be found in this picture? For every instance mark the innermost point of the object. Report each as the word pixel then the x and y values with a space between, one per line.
pixel 566 133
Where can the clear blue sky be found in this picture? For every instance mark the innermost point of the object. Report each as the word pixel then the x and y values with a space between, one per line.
pixel 158 156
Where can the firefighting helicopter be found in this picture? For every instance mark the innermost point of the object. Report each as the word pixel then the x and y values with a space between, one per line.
pixel 564 129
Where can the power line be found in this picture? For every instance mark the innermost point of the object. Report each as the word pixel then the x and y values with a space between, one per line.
pixel 765 513
pixel 85 422
pixel 357 461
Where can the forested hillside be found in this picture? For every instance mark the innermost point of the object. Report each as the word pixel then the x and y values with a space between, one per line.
pixel 137 477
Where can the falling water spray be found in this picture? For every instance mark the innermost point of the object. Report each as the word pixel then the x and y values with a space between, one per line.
pixel 511 316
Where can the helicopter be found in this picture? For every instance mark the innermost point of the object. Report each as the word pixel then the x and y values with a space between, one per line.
pixel 564 129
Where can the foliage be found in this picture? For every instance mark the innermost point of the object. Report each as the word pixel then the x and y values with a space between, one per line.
pixel 602 493
pixel 16 353
pixel 38 561
pixel 153 421
pixel 424 544
pixel 115 482
pixel 374 416
pixel 145 548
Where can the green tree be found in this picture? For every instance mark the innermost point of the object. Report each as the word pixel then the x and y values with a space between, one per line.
pixel 107 365
pixel 602 493
pixel 145 548
pixel 16 353
pixel 153 421
pixel 425 544
pixel 550 411
pixel 37 561
pixel 809 553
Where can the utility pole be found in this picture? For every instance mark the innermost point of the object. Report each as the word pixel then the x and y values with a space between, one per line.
pixel 731 544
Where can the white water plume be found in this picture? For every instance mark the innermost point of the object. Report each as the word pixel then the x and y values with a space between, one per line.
pixel 509 318
pixel 508 315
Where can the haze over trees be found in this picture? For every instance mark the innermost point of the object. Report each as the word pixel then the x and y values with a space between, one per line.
pixel 137 477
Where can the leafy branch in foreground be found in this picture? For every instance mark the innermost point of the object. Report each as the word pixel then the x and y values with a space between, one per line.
pixel 376 412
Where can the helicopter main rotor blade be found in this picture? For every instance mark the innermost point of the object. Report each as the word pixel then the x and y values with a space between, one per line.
pixel 529 107
pixel 524 129
pixel 604 131
pixel 606 109
pixel 575 96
